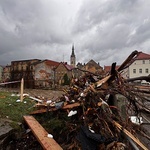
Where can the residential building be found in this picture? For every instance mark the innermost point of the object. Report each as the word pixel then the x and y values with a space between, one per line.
pixel 22 69
pixel 93 67
pixel 140 66
pixel 78 71
pixel 6 75
pixel 43 72
pixel 61 70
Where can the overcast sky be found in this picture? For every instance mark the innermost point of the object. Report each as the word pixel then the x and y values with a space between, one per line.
pixel 106 31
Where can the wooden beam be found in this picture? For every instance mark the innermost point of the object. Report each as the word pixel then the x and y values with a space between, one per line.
pixel 43 110
pixel 41 134
pixel 136 140
pixel 21 90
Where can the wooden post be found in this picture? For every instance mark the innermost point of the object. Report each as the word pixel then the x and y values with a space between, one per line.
pixel 21 92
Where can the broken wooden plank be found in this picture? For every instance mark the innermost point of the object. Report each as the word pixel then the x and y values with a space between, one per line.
pixel 41 134
pixel 136 140
pixel 128 60
pixel 36 99
pixel 43 110
pixel 102 81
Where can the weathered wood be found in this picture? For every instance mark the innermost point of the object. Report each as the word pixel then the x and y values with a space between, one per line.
pixel 41 134
pixel 21 90
pixel 102 81
pixel 136 140
pixel 36 99
pixel 43 110
pixel 128 60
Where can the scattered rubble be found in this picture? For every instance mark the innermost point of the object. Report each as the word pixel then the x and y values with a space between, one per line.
pixel 99 112
pixel 96 112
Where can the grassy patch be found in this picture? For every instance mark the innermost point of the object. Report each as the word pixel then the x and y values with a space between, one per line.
pixel 13 110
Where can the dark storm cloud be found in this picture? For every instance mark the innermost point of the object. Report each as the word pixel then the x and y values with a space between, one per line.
pixel 105 30
pixel 111 27
pixel 28 24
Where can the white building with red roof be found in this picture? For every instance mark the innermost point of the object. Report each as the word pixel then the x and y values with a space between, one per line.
pixel 140 66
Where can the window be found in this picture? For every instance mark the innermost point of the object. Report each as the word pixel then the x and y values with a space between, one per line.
pixel 143 61
pixel 134 70
pixel 140 70
pixel 146 70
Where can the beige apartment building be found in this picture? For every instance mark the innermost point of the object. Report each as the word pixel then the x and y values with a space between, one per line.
pixel 140 66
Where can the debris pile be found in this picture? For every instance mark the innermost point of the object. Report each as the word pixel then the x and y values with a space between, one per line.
pixel 98 112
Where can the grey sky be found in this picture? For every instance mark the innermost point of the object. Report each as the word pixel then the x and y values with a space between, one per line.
pixel 106 31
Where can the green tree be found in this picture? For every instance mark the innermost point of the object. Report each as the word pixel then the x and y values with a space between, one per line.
pixel 66 80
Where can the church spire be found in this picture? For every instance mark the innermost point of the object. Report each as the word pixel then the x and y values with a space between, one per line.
pixel 73 57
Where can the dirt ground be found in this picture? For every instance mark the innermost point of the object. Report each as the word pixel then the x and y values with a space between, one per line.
pixel 45 94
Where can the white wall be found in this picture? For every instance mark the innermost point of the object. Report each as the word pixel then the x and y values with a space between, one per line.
pixel 137 65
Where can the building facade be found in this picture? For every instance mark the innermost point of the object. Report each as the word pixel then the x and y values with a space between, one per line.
pixel 23 69
pixel 93 67
pixel 6 75
pixel 140 66
pixel 61 70
pixel 44 73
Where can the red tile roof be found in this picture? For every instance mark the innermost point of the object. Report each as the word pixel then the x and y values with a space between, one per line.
pixel 108 68
pixel 51 63
pixel 69 67
pixel 142 55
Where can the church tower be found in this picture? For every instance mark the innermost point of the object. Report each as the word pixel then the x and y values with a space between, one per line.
pixel 73 58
